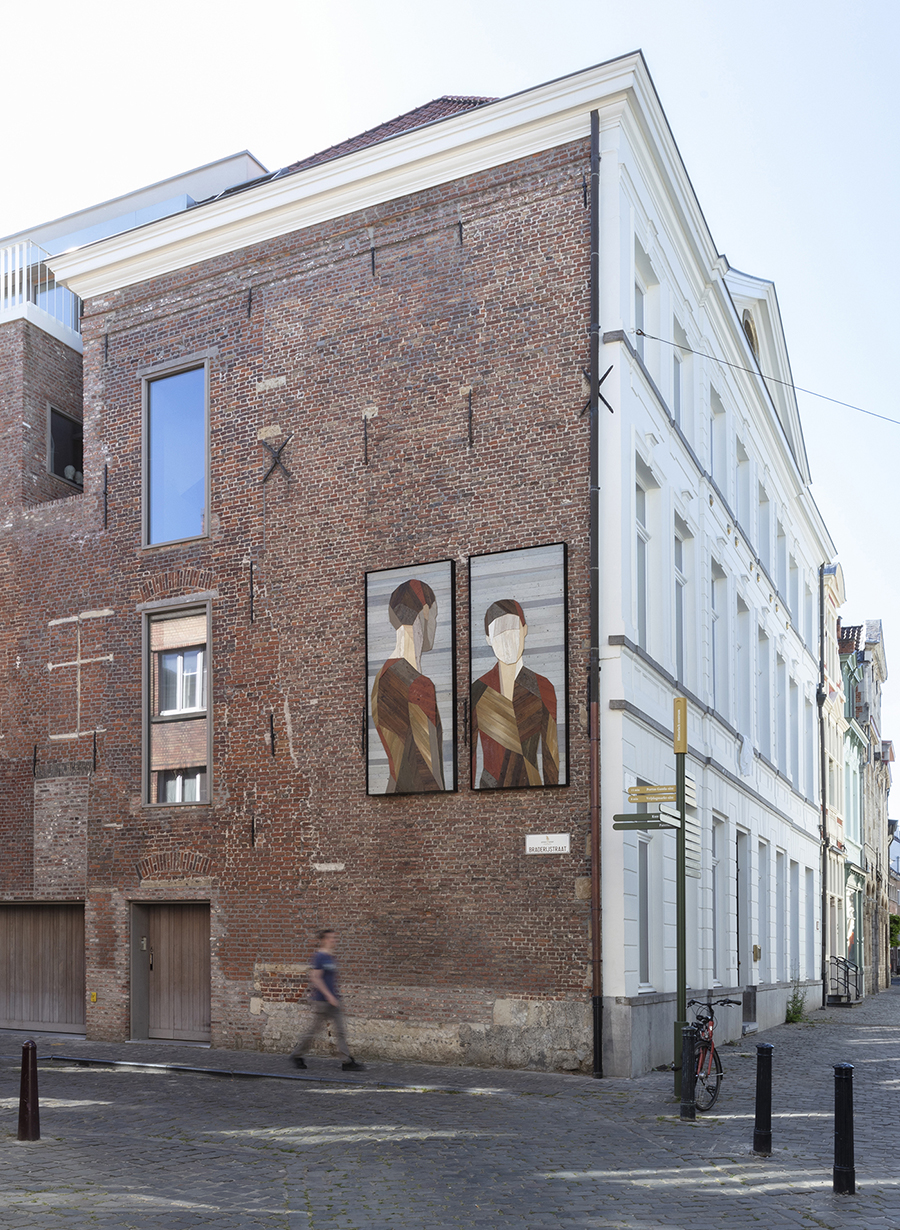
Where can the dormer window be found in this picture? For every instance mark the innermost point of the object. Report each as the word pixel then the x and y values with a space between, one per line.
pixel 750 330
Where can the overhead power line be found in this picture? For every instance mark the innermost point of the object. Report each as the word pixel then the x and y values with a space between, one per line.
pixel 775 380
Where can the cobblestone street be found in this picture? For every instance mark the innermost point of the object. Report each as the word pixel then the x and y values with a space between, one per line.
pixel 418 1146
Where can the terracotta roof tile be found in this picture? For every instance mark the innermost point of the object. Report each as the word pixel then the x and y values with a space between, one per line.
pixel 437 109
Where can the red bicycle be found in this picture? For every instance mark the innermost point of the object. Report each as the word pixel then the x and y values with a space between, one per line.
pixel 708 1072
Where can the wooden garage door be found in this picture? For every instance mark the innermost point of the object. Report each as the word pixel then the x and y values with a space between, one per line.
pixel 178 991
pixel 42 967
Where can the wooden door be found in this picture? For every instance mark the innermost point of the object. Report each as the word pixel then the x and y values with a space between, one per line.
pixel 178 986
pixel 42 967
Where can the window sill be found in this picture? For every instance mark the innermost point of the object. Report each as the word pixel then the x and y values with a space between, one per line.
pixel 174 542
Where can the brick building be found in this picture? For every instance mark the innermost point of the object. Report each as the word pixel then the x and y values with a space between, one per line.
pixel 372 364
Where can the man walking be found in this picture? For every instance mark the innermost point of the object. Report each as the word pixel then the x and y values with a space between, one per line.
pixel 326 1004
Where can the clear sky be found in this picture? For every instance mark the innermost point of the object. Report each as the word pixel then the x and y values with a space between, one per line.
pixel 787 114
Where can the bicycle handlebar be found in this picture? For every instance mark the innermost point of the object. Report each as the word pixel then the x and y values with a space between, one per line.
pixel 718 1003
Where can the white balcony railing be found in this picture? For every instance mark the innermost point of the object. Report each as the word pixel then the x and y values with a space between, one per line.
pixel 26 278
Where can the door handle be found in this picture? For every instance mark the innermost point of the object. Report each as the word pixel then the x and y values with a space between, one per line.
pixel 151 958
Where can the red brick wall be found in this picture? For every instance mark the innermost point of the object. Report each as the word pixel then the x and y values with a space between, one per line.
pixel 439 909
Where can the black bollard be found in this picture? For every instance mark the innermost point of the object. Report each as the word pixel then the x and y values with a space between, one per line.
pixel 762 1126
pixel 29 1114
pixel 688 1072
pixel 844 1174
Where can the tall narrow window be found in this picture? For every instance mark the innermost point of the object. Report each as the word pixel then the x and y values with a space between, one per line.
pixel 762 899
pixel 793 594
pixel 718 912
pixel 811 955
pixel 639 319
pixel 643 852
pixel 765 530
pixel 178 672
pixel 808 620
pixel 717 639
pixel 780 917
pixel 742 669
pixel 641 543
pixel 794 941
pixel 717 440
pixel 810 751
pixel 680 584
pixel 176 457
pixel 742 486
pixel 794 734
pixel 781 699
pixel 764 697
pixel 781 560
pixel 676 387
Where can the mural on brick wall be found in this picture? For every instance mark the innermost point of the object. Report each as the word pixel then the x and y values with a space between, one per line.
pixel 410 655
pixel 517 617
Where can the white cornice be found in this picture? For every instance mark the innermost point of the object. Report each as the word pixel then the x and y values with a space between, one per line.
pixel 515 127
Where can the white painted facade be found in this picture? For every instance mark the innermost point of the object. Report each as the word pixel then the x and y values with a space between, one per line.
pixel 710 551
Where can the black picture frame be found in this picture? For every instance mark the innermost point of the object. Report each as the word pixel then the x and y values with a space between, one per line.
pixel 519 725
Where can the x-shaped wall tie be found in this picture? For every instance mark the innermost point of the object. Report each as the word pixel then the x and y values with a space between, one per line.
pixel 276 457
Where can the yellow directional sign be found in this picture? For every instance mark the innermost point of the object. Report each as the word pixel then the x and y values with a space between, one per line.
pixel 642 793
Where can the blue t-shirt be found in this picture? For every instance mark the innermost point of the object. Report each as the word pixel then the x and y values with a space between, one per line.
pixel 326 963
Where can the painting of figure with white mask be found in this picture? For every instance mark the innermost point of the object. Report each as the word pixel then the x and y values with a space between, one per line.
pixel 518 703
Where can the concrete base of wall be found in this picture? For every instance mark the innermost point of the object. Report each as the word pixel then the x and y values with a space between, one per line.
pixel 548 1036
pixel 638 1032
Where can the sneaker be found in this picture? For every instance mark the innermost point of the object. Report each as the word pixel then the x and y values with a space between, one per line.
pixel 298 1061
pixel 352 1066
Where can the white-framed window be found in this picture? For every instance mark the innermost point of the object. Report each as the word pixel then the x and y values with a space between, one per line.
pixel 764 529
pixel 762 901
pixel 763 696
pixel 676 387
pixel 742 674
pixel 718 626
pixel 176 455
pixel 781 565
pixel 719 912
pixel 642 551
pixel 643 911
pixel 780 916
pixel 781 700
pixel 794 734
pixel 810 730
pixel 178 731
pixel 793 594
pixel 639 297
pixel 742 486
pixel 717 440
pixel 680 600
pixel 182 786
pixel 182 680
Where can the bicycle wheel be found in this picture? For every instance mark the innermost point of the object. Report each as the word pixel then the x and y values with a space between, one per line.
pixel 709 1078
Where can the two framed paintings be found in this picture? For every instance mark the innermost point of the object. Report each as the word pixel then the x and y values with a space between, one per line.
pixel 518 671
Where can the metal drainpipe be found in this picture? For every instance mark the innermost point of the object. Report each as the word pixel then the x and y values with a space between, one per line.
pixel 594 601
pixel 823 776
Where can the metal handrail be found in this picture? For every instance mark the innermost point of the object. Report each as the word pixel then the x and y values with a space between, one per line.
pixel 843 977
pixel 25 277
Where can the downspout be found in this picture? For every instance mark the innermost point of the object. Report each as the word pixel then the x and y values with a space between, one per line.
pixel 594 601
pixel 823 784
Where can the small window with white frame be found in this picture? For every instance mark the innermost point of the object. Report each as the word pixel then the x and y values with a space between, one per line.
pixel 178 728
pixel 65 447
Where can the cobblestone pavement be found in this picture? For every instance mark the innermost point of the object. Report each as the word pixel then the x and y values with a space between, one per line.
pixel 414 1146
